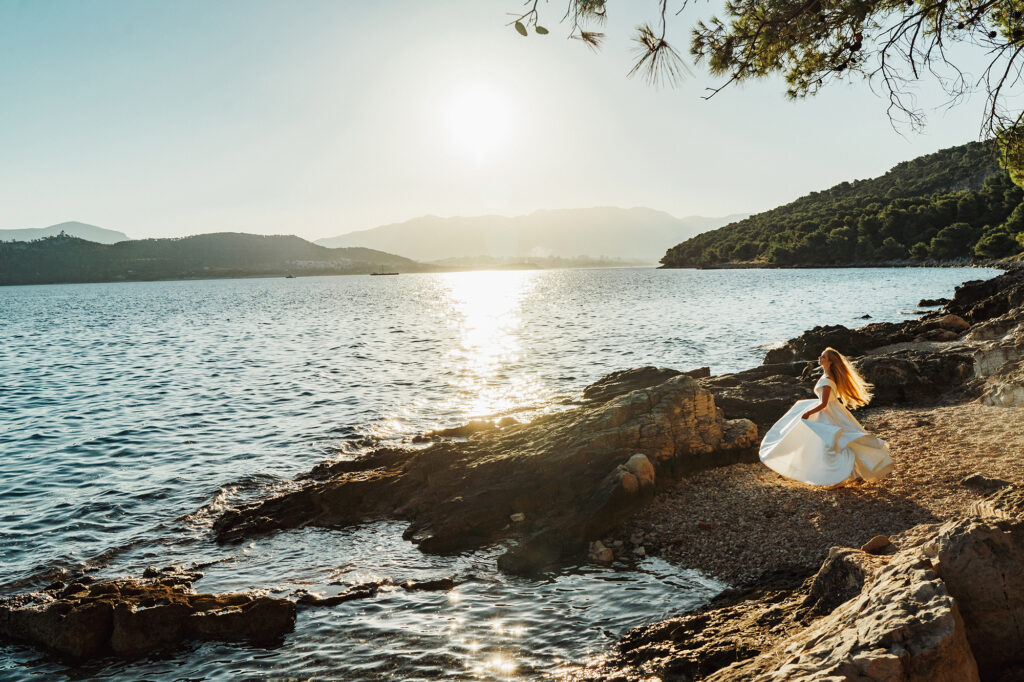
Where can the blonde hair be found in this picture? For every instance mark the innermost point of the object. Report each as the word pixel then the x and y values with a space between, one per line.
pixel 851 388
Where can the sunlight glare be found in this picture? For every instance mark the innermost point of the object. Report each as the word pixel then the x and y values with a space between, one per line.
pixel 478 119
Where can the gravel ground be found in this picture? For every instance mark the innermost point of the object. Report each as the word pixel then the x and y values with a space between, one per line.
pixel 739 522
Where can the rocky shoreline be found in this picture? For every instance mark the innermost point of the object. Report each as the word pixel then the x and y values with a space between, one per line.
pixel 660 461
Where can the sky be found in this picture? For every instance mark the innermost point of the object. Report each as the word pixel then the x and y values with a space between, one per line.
pixel 320 117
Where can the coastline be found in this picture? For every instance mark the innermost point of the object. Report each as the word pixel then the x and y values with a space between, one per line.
pixel 473 486
pixel 798 557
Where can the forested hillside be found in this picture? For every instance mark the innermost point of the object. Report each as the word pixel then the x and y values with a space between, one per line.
pixel 954 204
pixel 69 259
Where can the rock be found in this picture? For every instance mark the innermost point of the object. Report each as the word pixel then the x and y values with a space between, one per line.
pixel 865 316
pixel 600 553
pixel 953 323
pixel 902 624
pixel 625 381
pixel 641 467
pixel 761 395
pixel 507 421
pixel 946 604
pixel 980 300
pixel 913 376
pixel 932 302
pixel 640 551
pixel 466 430
pixel 940 335
pixel 518 517
pixel 841 577
pixel 980 562
pixel 985 484
pixel 877 544
pixel 1005 388
pixel 566 472
pixel 438 584
pixel 130 618
pixel 1007 504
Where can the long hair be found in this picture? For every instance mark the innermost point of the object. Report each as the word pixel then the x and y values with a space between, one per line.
pixel 851 388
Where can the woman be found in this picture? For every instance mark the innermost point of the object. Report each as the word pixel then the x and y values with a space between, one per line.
pixel 821 443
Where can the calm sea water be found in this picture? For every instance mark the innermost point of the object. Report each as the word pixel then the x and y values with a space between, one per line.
pixel 134 412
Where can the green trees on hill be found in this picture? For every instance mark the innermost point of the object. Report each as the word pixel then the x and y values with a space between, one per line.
pixel 69 259
pixel 954 204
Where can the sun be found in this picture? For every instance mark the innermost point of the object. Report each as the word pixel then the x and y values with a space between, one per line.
pixel 478 121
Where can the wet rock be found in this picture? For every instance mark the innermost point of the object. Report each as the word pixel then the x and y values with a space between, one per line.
pixel 130 618
pixel 601 554
pixel 565 471
pixel 466 430
pixel 932 302
pixel 436 585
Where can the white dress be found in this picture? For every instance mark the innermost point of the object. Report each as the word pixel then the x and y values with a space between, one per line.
pixel 827 448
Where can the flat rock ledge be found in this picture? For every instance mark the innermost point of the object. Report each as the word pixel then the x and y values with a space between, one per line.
pixel 130 617
pixel 546 488
pixel 936 603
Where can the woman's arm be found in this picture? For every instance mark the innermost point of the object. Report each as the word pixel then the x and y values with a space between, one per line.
pixel 821 406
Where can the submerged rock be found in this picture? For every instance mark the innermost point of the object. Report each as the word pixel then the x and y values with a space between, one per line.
pixel 570 474
pixel 130 618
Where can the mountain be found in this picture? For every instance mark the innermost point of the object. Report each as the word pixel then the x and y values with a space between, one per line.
pixel 73 229
pixel 632 235
pixel 955 204
pixel 70 259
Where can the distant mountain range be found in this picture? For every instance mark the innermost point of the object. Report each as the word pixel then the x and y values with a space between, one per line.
pixel 84 231
pixel 70 259
pixel 633 235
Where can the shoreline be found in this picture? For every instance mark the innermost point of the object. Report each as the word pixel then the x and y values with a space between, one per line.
pixel 692 426
pixel 790 551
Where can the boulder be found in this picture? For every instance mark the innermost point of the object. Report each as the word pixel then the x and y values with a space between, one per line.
pixel 903 625
pixel 642 469
pixel 573 474
pixel 915 376
pixel 129 617
pixel 624 381
pixel 953 323
pixel 980 300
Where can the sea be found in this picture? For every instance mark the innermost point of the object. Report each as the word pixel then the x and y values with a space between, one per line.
pixel 134 413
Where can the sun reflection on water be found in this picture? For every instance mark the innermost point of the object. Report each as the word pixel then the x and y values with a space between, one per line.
pixel 485 309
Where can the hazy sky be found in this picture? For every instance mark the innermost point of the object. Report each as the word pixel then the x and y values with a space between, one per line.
pixel 322 117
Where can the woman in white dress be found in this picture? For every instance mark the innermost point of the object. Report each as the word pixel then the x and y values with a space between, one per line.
pixel 819 441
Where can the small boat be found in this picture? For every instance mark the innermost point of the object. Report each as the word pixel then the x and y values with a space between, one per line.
pixel 382 272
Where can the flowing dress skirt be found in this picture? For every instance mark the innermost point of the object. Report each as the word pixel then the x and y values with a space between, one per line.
pixel 826 449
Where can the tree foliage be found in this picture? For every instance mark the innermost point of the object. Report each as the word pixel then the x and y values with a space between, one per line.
pixel 892 44
pixel 956 204
pixel 69 259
